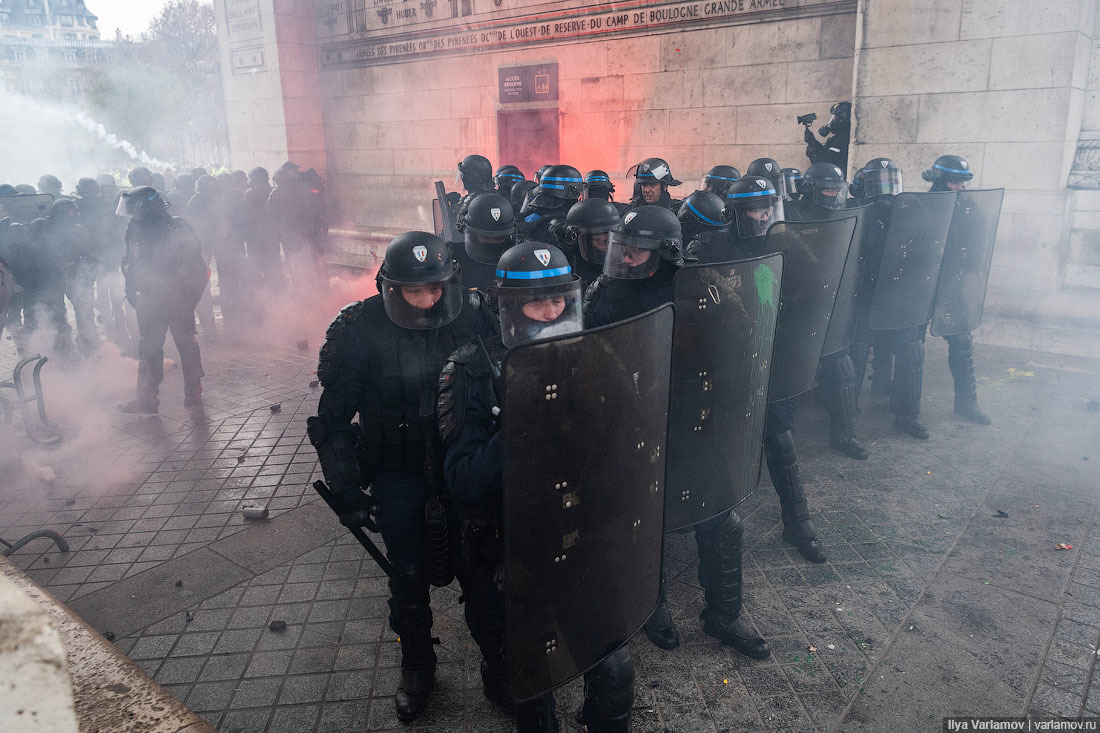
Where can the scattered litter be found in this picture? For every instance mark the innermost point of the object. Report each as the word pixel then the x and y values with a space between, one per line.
pixel 929 473
pixel 240 459
pixel 278 626
pixel 303 345
pixel 813 648
pixel 725 682
pixel 70 502
pixel 1001 514
pixel 910 627
pixel 276 407
pixel 254 512
pixel 942 516
pixel 839 609
pixel 1035 507
pixel 188 616
pixel 109 635
pixel 654 684
pixel 46 560
pixel 830 646
pixel 313 384
pixel 1063 546
pixel 179 583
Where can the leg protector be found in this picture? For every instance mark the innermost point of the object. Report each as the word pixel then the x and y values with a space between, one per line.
pixel 838 376
pixel 609 694
pixel 798 529
pixel 538 715
pixel 413 619
pixel 719 542
pixel 659 627
pixel 908 387
pixel 960 358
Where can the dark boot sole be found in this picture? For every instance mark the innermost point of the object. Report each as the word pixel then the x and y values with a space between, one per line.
pixel 807 552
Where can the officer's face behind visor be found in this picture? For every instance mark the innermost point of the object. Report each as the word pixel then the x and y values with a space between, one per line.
pixel 881 182
pixel 593 246
pixel 754 222
pixel 631 258
pixel 529 314
pixel 422 306
pixel 831 196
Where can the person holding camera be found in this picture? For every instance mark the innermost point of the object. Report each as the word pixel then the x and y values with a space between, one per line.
pixel 836 133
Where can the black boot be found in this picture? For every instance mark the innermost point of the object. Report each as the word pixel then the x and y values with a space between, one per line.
pixel 798 529
pixel 908 386
pixel 720 543
pixel 960 357
pixel 609 694
pixel 538 715
pixel 659 627
pixel 838 377
pixel 413 616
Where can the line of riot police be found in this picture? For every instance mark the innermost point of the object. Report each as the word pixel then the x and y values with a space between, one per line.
pixel 533 417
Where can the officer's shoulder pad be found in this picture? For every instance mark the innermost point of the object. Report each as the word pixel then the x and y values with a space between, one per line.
pixel 464 354
pixel 351 311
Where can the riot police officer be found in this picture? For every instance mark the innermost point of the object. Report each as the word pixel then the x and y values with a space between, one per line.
pixel 476 174
pixel 165 277
pixel 538 297
pixel 264 260
pixel 837 133
pixel 754 204
pixel 381 359
pixel 69 244
pixel 792 179
pixel 506 177
pixel 519 194
pixel 204 214
pixel 824 196
pixel 702 215
pixel 584 237
pixel 652 177
pixel 598 185
pixel 489 232
pixel 642 259
pixel 769 168
pixel 548 205
pixel 952 173
pixel 899 354
pixel 50 184
pixel 719 178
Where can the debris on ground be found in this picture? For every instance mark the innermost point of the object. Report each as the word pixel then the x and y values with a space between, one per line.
pixel 278 626
pixel 276 407
pixel 109 635
pixel 1063 546
pixel 254 512
pixel 1001 514
pixel 313 384
pixel 179 583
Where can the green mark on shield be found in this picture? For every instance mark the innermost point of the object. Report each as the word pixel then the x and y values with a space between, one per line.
pixel 765 285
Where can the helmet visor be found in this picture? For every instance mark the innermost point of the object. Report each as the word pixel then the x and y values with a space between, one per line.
pixel 487 248
pixel 831 194
pixel 529 314
pixel 631 258
pixel 422 306
pixel 881 182
pixel 755 222
pixel 717 184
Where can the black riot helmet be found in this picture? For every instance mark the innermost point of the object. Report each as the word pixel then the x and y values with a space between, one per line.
pixel 519 193
pixel 240 180
pixel 490 227
pixel 26 189
pixel 719 178
pixel 946 170
pixel 598 185
pixel 87 188
pixel 206 185
pixel 143 203
pixel 792 179
pixel 537 293
pixel 141 176
pixel 824 185
pixel 653 170
pixel 880 177
pixel 506 177
pixel 476 172
pixel 6 189
pixel 541 172
pixel 156 180
pixel 185 184
pixel 767 168
pixel 589 223
pixel 754 206
pixel 649 234
pixel 256 177
pixel 50 184
pixel 420 282
pixel 700 211
pixel 839 121
pixel 562 181
pixel 64 211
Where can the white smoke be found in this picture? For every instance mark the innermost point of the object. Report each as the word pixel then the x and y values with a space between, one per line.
pixel 112 140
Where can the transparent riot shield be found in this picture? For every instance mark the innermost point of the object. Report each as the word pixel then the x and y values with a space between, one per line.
pixel 849 294
pixel 721 359
pixel 585 427
pixel 814 253
pixel 964 275
pixel 437 220
pixel 912 252
pixel 447 215
pixel 25 209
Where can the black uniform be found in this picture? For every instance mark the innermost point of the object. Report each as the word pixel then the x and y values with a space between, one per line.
pixel 70 246
pixel 42 280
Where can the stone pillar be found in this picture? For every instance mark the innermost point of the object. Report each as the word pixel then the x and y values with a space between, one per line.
pixel 1004 85
pixel 270 76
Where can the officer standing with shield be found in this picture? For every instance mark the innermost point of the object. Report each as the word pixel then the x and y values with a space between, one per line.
pixel 964 276
pixel 489 231
pixel 560 186
pixel 585 234
pixel 476 174
pixel 381 359
pixel 643 259
pixel 531 611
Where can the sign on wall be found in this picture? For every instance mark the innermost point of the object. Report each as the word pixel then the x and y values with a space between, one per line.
pixel 365 32
pixel 538 83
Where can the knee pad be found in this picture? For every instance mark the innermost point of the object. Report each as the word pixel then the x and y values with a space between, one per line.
pixel 780 448
pixel 609 689
pixel 912 354
pixel 409 584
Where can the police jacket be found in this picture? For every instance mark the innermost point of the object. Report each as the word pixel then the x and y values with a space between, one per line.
pixel 469 429
pixel 205 217
pixel 30 265
pixel 66 243
pixel 388 375
pixel 610 300
pixel 257 230
pixel 164 262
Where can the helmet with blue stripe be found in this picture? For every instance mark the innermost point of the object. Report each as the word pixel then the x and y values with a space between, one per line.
pixel 719 179
pixel 562 181
pixel 754 205
pixel 949 169
pixel 537 293
pixel 703 210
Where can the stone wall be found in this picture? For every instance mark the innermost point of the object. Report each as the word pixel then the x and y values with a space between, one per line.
pixel 1003 84
pixel 696 98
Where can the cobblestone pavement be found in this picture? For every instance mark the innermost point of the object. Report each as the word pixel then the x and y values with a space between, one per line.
pixel 943 594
